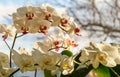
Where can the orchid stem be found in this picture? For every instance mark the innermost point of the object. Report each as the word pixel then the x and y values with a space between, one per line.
pixel 114 72
pixel 11 50
pixel 14 72
pixel 78 63
pixel 81 63
pixel 7 44
pixel 20 35
pixel 35 73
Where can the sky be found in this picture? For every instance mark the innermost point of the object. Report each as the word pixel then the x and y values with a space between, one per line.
pixel 7 7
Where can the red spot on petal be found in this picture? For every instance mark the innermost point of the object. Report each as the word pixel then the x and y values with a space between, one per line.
pixel 64 21
pixel 72 41
pixel 48 16
pixel 77 30
pixel 24 29
pixel 43 27
pixel 4 37
pixel 57 48
pixel 63 25
pixel 29 15
pixel 75 45
pixel 24 32
pixel 43 31
pixel 56 43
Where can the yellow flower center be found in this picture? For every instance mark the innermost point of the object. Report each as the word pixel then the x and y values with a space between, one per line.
pixel 46 62
pixel 66 65
pixel 102 57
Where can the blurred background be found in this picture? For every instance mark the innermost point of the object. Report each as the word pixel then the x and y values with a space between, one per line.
pixel 99 20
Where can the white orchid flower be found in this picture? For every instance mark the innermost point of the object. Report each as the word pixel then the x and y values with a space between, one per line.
pixel 48 12
pixel 47 61
pixel 7 31
pixel 4 60
pixel 26 19
pixel 117 60
pixel 43 47
pixel 50 43
pixel 67 66
pixel 68 25
pixel 55 42
pixel 5 71
pixel 51 60
pixel 24 61
pixel 103 53
pixel 26 12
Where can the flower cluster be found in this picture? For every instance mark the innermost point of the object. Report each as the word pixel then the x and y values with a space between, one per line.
pixel 5 71
pixel 7 31
pixel 103 53
pixel 40 19
pixel 30 61
pixel 43 56
pixel 55 42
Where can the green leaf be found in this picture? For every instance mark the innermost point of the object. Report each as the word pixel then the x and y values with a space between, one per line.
pixel 67 52
pixel 47 73
pixel 102 71
pixel 117 70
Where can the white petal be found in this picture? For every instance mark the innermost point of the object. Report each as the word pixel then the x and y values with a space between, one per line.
pixel 109 62
pixel 95 63
pixel 17 58
pixel 22 11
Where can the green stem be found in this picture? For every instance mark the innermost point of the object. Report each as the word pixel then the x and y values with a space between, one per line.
pixel 114 72
pixel 20 35
pixel 14 72
pixel 7 44
pixel 81 63
pixel 11 50
pixel 35 75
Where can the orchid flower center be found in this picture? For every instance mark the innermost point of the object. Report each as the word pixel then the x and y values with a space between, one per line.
pixel 29 15
pixel 43 29
pixel 66 65
pixel 102 57
pixel 63 22
pixel 56 43
pixel 24 29
pixel 72 43
pixel 77 30
pixel 48 16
